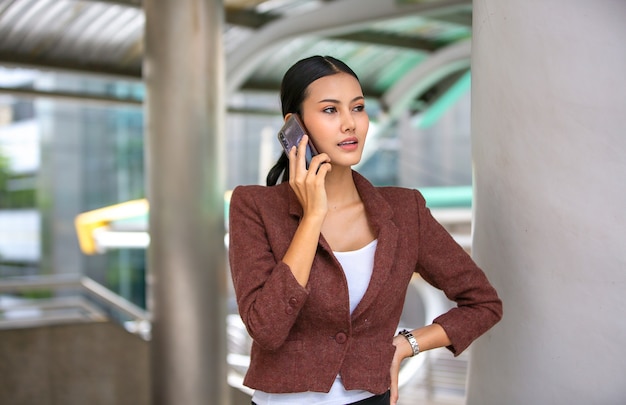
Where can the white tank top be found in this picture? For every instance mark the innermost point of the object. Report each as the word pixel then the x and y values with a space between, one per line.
pixel 357 266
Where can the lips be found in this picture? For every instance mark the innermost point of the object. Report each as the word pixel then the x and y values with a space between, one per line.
pixel 349 141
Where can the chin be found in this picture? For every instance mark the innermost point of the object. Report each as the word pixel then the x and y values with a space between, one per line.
pixel 353 162
pixel 347 160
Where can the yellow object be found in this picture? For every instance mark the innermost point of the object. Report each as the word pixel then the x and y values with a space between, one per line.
pixel 87 222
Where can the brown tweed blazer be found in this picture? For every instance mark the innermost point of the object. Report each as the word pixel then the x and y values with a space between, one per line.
pixel 304 337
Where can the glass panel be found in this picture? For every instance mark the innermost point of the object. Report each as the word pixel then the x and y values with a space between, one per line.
pixel 60 158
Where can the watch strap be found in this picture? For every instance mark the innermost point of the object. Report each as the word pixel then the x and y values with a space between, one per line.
pixel 412 341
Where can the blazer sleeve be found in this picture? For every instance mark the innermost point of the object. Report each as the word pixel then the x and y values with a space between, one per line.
pixel 444 263
pixel 268 295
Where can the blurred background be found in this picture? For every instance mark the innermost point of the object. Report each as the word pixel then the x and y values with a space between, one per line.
pixel 73 180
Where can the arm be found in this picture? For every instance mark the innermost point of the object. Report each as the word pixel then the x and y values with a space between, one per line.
pixel 309 186
pixel 428 337
pixel 269 297
pixel 269 272
pixel 445 265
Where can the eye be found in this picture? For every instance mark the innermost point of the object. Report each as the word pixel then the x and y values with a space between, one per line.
pixel 359 108
pixel 329 110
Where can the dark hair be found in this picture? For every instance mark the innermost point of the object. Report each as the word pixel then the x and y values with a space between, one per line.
pixel 293 91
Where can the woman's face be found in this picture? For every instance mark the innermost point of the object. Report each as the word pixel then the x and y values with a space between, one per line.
pixel 334 115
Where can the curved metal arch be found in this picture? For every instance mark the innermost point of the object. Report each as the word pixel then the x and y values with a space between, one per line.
pixel 398 98
pixel 437 66
pixel 335 18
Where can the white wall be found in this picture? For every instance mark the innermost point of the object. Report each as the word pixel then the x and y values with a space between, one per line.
pixel 549 150
pixel 19 235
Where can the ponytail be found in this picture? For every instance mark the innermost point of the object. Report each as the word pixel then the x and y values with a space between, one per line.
pixel 281 166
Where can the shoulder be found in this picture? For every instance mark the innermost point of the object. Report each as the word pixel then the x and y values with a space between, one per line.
pixel 253 195
pixel 399 197
pixel 277 191
pixel 399 192
pixel 392 194
pixel 386 199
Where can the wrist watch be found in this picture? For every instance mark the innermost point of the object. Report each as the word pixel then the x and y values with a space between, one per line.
pixel 409 336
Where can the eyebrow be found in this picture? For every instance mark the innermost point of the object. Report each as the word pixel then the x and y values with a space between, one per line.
pixel 332 100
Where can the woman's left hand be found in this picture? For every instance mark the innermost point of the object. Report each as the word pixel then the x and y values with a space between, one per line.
pixel 395 371
pixel 403 350
pixel 428 337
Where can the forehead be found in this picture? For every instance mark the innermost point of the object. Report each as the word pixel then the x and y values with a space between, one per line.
pixel 339 86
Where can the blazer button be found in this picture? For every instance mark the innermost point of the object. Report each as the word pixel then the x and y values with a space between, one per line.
pixel 293 301
pixel 341 338
pixel 289 310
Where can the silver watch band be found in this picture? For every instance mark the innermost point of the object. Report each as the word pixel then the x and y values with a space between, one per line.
pixel 409 336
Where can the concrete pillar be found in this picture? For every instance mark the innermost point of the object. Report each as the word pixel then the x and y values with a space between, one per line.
pixel 184 74
pixel 549 144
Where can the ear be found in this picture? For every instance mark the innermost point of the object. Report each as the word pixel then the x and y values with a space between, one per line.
pixel 287 116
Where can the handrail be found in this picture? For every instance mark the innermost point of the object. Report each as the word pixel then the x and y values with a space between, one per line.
pixel 92 287
pixel 43 282
pixel 111 298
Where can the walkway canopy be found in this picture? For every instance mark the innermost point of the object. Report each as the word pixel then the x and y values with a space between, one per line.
pixel 407 53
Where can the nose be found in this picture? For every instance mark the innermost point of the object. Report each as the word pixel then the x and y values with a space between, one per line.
pixel 348 123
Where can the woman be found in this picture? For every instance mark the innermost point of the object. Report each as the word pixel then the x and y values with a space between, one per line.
pixel 321 263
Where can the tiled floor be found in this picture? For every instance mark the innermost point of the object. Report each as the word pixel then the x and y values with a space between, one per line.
pixel 441 382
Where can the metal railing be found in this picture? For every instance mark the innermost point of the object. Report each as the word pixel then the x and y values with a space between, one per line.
pixel 71 298
pixel 75 298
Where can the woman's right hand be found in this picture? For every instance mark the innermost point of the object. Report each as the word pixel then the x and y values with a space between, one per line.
pixel 309 185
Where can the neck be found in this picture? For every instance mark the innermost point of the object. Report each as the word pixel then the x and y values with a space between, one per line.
pixel 340 188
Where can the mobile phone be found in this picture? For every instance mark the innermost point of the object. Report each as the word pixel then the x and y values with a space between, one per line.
pixel 290 135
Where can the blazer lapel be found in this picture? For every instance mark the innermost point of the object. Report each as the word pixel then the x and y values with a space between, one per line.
pixel 296 211
pixel 380 215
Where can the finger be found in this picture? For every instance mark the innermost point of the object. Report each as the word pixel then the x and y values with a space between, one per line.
pixel 318 162
pixel 393 395
pixel 394 372
pixel 304 141
pixel 394 386
pixel 322 170
pixel 292 162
